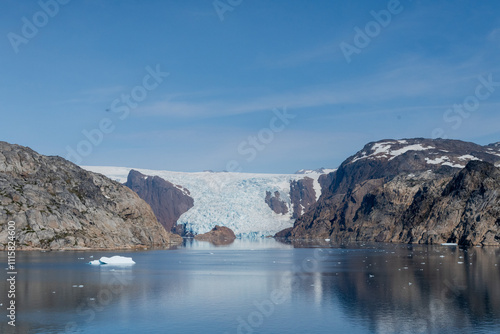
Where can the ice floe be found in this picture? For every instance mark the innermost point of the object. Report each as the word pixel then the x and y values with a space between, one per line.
pixel 114 260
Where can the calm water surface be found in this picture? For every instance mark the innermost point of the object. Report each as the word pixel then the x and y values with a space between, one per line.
pixel 260 287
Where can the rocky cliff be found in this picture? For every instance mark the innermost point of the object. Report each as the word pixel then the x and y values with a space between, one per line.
pixel 57 205
pixel 415 191
pixel 276 203
pixel 167 200
pixel 302 195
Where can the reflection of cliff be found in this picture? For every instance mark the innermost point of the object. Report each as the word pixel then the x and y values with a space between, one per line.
pixel 412 290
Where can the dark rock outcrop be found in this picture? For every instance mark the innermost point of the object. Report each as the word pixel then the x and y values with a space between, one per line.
pixel 57 205
pixel 415 191
pixel 302 196
pixel 167 200
pixel 276 203
pixel 219 235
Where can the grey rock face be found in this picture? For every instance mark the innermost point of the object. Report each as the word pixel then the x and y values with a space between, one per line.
pixel 408 191
pixel 57 205
pixel 167 200
pixel 275 203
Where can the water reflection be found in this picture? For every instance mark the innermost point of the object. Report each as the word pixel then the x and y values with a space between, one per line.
pixel 408 289
pixel 219 289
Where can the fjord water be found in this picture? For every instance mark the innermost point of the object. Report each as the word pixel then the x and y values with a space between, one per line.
pixel 260 287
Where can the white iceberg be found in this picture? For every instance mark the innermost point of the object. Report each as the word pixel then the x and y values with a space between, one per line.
pixel 115 260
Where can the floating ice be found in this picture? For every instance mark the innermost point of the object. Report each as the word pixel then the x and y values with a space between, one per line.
pixel 115 260
pixel 449 244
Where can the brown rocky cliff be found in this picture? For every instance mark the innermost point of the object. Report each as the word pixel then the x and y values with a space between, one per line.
pixel 275 203
pixel 302 196
pixel 168 201
pixel 56 205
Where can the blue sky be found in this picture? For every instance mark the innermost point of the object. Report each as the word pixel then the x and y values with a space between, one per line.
pixel 228 79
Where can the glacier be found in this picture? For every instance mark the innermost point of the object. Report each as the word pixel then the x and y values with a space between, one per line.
pixel 234 200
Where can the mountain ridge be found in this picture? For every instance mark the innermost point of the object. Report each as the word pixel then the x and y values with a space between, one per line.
pixel 372 195
pixel 55 204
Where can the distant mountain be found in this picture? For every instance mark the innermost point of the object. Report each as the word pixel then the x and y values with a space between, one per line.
pixel 248 204
pixel 58 205
pixel 412 190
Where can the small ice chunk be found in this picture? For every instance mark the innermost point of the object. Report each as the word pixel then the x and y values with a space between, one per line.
pixel 116 260
pixel 449 244
pixel 327 239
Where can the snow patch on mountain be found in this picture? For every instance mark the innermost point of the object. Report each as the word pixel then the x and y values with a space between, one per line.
pixel 467 157
pixel 385 150
pixel 445 161
pixel 315 174
pixel 416 147
pixel 234 200
pixel 453 165
pixel 437 161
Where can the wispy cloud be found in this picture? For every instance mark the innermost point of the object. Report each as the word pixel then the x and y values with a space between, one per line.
pixel 412 77
pixel 326 52
pixel 95 95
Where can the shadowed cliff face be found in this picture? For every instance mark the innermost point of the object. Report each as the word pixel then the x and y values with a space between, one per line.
pixel 167 200
pixel 302 195
pixel 415 191
pixel 275 203
pixel 56 204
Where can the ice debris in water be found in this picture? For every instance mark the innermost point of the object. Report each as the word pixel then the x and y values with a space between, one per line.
pixel 113 260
